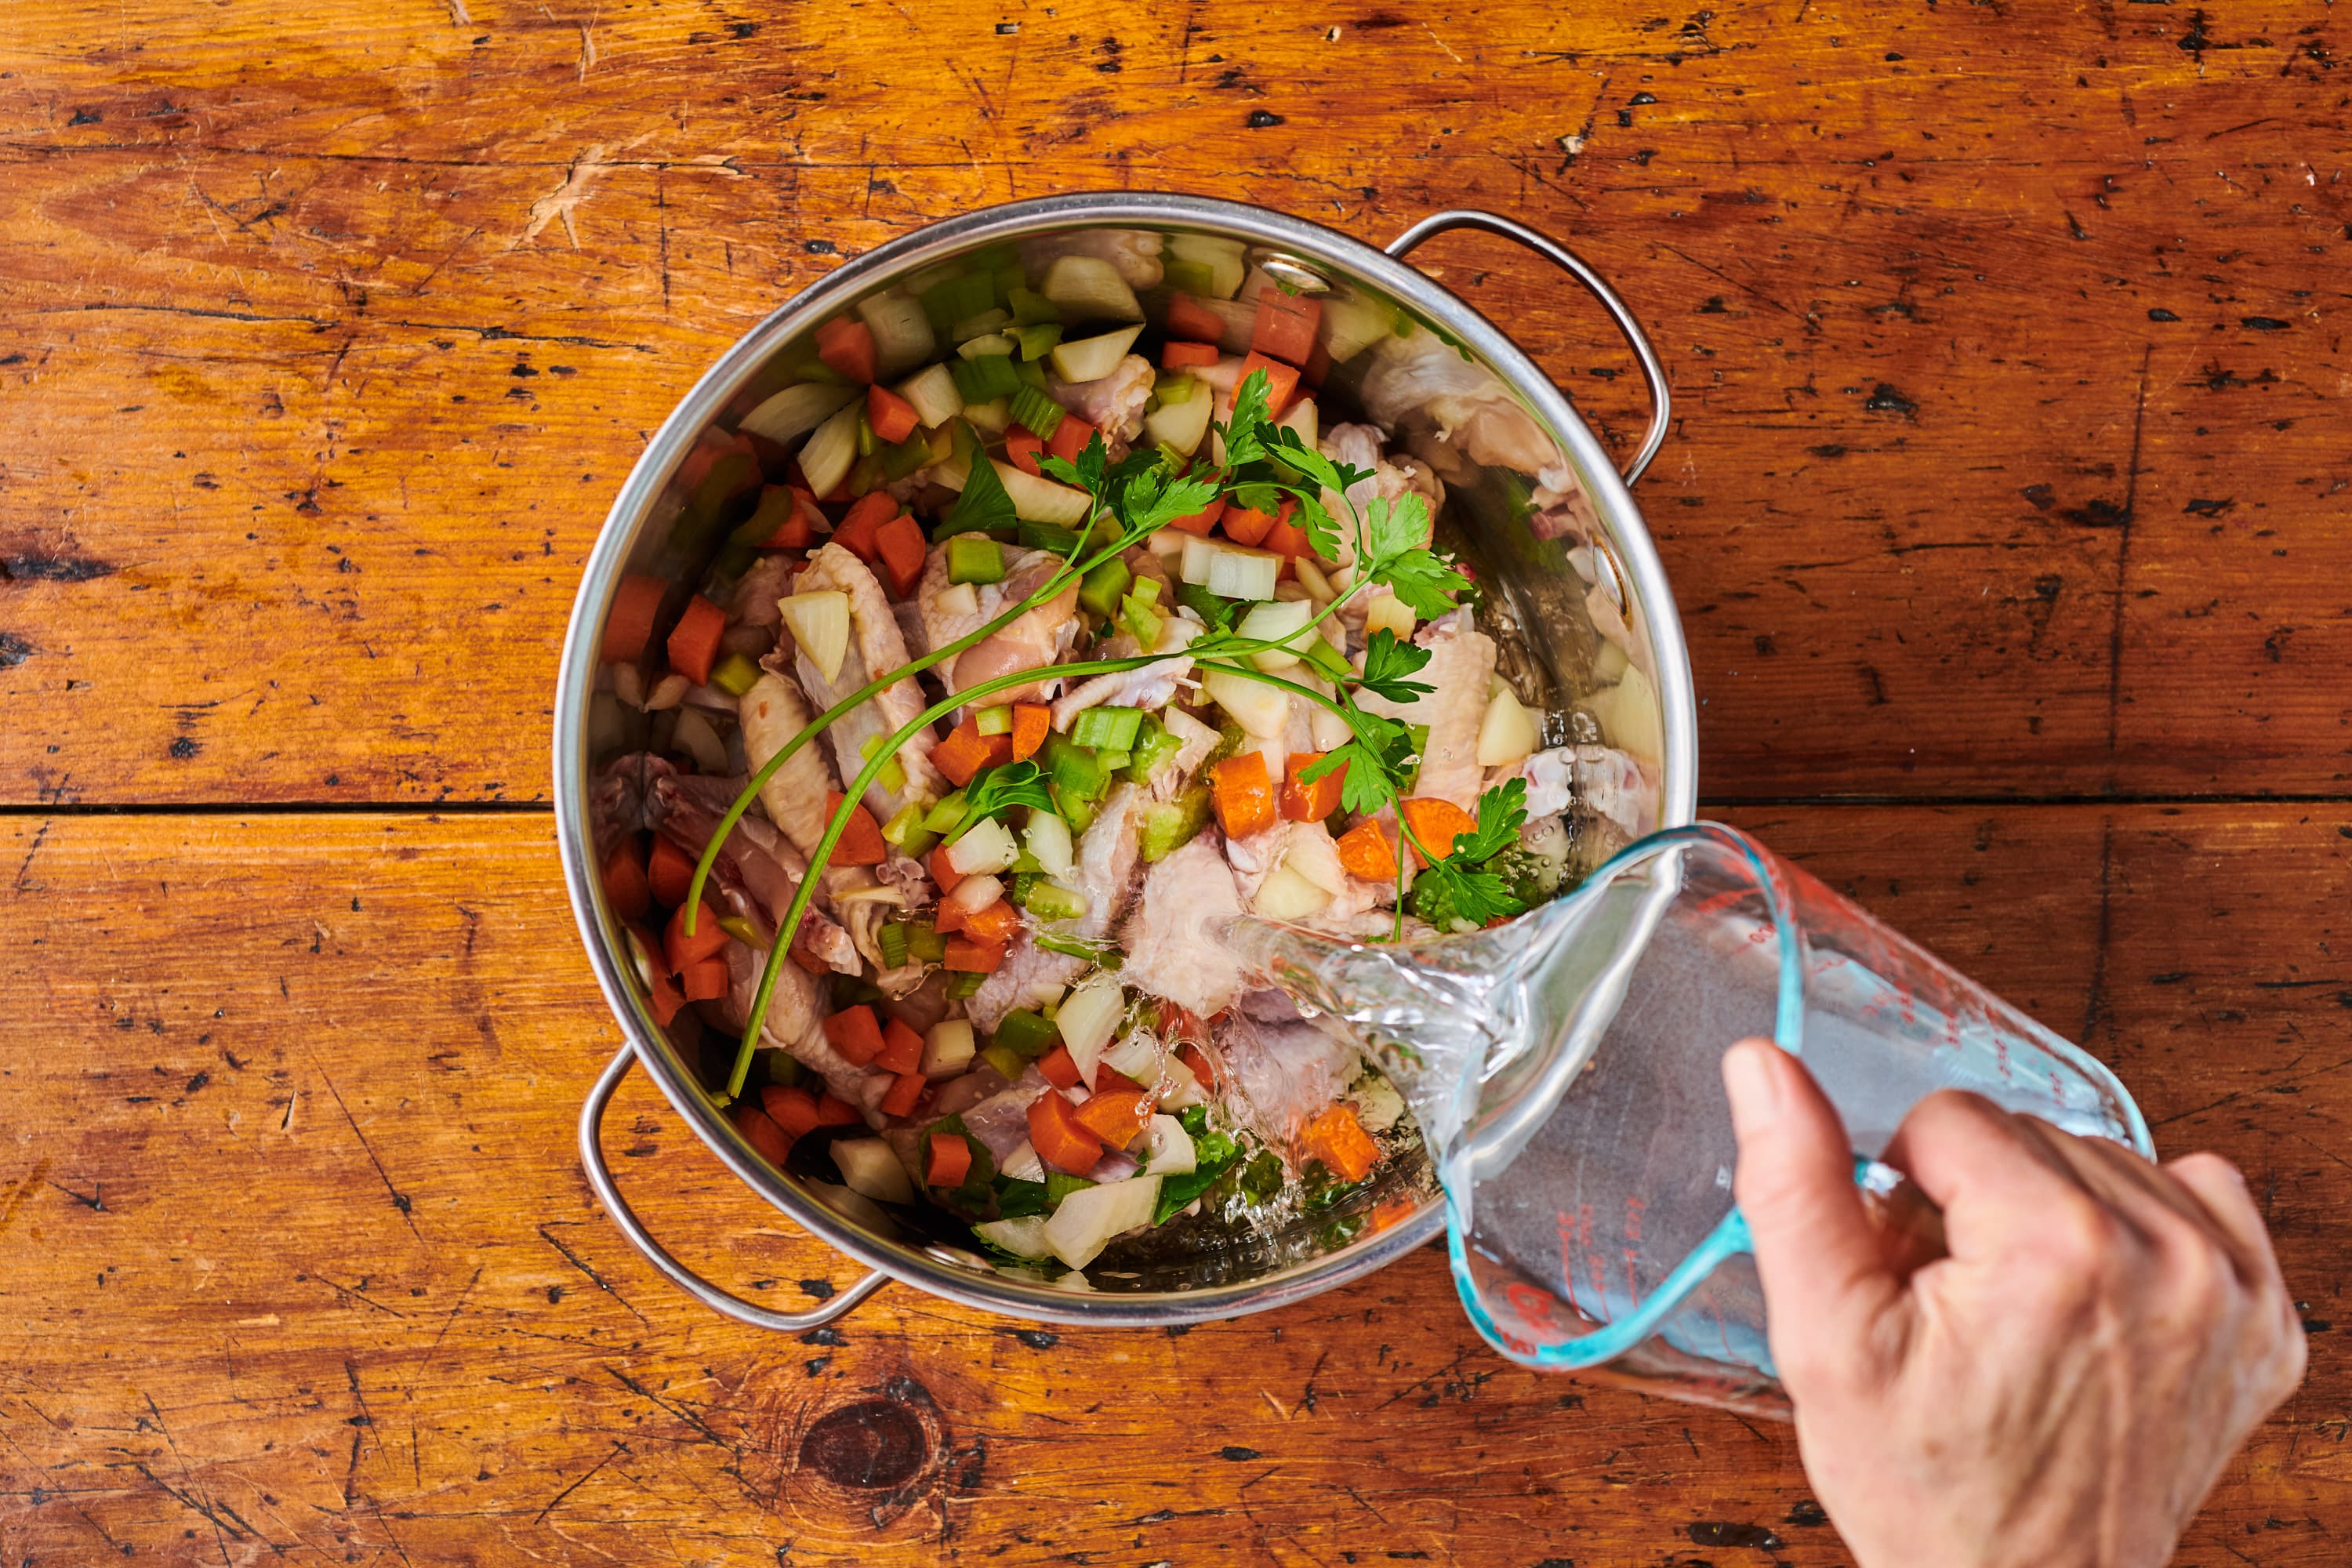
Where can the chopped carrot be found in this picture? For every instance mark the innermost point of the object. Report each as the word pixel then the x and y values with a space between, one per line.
pixel 1059 1067
pixel 694 641
pixel 861 526
pixel 1304 801
pixel 861 836
pixel 1437 822
pixel 1109 1078
pixel 833 1111
pixel 1286 538
pixel 1070 439
pixel 670 870
pixel 1021 449
pixel 682 950
pixel 625 887
pixel 667 997
pixel 966 751
pixel 1115 1115
pixel 1285 326
pixel 996 923
pixel 855 1034
pixel 1175 355
pixel 945 875
pixel 1245 525
pixel 1060 1141
pixel 967 957
pixel 762 1135
pixel 629 624
pixel 846 347
pixel 1031 721
pixel 950 1162
pixel 1202 1065
pixel 1203 519
pixel 1339 1141
pixel 811 961
pixel 1178 1022
pixel 1281 381
pixel 902 1048
pixel 903 1095
pixel 1242 795
pixel 900 544
pixel 951 918
pixel 1188 318
pixel 801 521
pixel 1368 851
pixel 704 981
pixel 793 1110
pixel 893 418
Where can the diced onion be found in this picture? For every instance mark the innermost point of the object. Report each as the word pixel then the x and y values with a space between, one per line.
pixel 974 894
pixel 1310 576
pixel 957 599
pixel 695 736
pixel 932 390
pixel 1239 572
pixel 1170 1148
pixel 1628 712
pixel 1285 895
pixel 1089 289
pixel 1179 424
pixel 987 846
pixel 826 459
pixel 1087 1019
pixel 1329 730
pixel 1379 1106
pixel 1508 733
pixel 796 410
pixel 1264 710
pixel 989 418
pixel 1023 1164
pixel 1608 666
pixel 1316 858
pixel 1042 500
pixel 1281 622
pixel 1391 614
pixel 1222 257
pixel 1023 1237
pixel 667 692
pixel 1089 1218
pixel 1137 1055
pixel 854 1207
pixel 1180 1090
pixel 948 1048
pixel 995 344
pixel 1301 417
pixel 870 1167
pixel 1091 359
pixel 820 627
pixel 1049 841
pixel 902 334
pixel 1350 326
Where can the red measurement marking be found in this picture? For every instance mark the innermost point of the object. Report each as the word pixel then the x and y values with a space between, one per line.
pixel 1723 900
pixel 1575 1235
pixel 1633 1211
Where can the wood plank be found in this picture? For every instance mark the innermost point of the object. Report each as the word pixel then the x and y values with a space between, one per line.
pixel 2001 346
pixel 293 1252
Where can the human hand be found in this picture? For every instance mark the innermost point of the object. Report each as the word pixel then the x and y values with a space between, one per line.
pixel 2065 1387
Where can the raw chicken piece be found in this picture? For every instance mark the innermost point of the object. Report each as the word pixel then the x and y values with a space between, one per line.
pixel 1419 384
pixel 1148 686
pixel 1284 1069
pixel 768 581
pixel 1029 977
pixel 1461 665
pixel 958 1095
pixel 687 808
pixel 1199 741
pixel 1113 405
pixel 1170 950
pixel 616 803
pixel 1001 1120
pixel 1361 447
pixel 1306 847
pixel 1106 859
pixel 952 612
pixel 875 648
pixel 770 714
pixel 1134 251
pixel 1562 508
pixel 1609 782
pixel 794 1021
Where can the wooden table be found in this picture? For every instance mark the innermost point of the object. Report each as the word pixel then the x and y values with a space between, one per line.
pixel 2006 502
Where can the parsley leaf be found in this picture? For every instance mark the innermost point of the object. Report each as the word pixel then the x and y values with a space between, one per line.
pixel 994 790
pixel 1377 756
pixel 1152 500
pixel 1322 534
pixel 1447 892
pixel 1244 433
pixel 1387 662
pixel 1086 473
pixel 984 504
pixel 1502 812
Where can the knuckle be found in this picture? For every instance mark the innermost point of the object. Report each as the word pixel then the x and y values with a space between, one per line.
pixel 2082 1234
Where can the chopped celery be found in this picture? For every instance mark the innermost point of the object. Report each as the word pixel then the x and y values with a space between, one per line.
pixel 1168 827
pixel 1173 457
pixel 782 1069
pixel 947 816
pixel 1030 372
pixel 1074 770
pixel 1030 309
pixel 1100 590
pixel 1060 1185
pixel 963 982
pixel 1136 614
pixel 988 375
pixel 1038 341
pixel 774 511
pixel 1046 898
pixel 1026 1032
pixel 975 560
pixel 967 294
pixel 1193 278
pixel 869 443
pixel 865 475
pixel 1097 952
pixel 1174 388
pixel 979 326
pixel 1153 750
pixel 892 939
pixel 1046 536
pixel 1419 733
pixel 905 833
pixel 742 931
pixel 994 720
pixel 986 346
pixel 735 675
pixel 898 461
pixel 1007 1064
pixel 1333 664
pixel 1036 413
pixel 1108 729
pixel 1027 861
pixel 893 776
pixel 1073 808
pixel 734 559
pixel 925 944
pixel 1113 760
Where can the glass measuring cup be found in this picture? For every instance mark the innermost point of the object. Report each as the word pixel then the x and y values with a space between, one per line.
pixel 1565 1070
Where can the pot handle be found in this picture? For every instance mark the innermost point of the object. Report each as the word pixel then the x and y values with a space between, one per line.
pixel 1661 400
pixel 600 1177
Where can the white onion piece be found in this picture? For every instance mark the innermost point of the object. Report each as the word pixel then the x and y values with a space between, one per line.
pixel 986 845
pixel 820 627
pixel 695 736
pixel 1508 733
pixel 1091 359
pixel 1021 1237
pixel 870 1167
pixel 974 894
pixel 1088 1019
pixel 826 459
pixel 933 392
pixel 1282 622
pixel 1089 289
pixel 1391 614
pixel 902 334
pixel 1168 1148
pixel 796 410
pixel 948 1048
pixel 1089 1218
pixel 1222 257
pixel 1049 840
pixel 1264 710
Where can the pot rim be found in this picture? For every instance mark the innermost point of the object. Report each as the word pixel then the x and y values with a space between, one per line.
pixel 1353 260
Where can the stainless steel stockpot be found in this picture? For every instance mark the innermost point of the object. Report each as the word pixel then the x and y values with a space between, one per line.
pixel 1527 577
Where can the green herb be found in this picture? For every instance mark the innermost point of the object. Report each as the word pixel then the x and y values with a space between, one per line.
pixel 1017 1199
pixel 984 504
pixel 1261 1178
pixel 1060 1185
pixel 1220 614
pixel 1387 662
pixel 994 791
pixel 1103 954
pixel 1213 1153
pixel 1458 886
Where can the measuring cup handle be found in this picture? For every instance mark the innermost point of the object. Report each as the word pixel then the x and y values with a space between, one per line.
pixel 1653 372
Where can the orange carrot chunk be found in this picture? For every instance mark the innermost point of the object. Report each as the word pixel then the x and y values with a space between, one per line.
pixel 967 957
pixel 893 418
pixel 996 923
pixel 1437 824
pixel 845 344
pixel 861 526
pixel 950 1162
pixel 704 981
pixel 1242 795
pixel 761 1134
pixel 831 1112
pixel 694 642
pixel 683 951
pixel 899 542
pixel 1281 381
pixel 1021 449
pixel 945 875
pixel 1304 801
pixel 1030 723
pixel 1176 356
pixel 793 1110
pixel 861 837
pixel 1188 318
pixel 625 887
pixel 1245 525
pixel 629 624
pixel 1368 851
pixel 670 870
pixel 1285 326
pixel 1115 1115
pixel 1339 1141
pixel 1060 1141
pixel 1070 439
pixel 966 751
pixel 903 1095
pixel 902 1048
pixel 1058 1068
pixel 1203 520
pixel 855 1034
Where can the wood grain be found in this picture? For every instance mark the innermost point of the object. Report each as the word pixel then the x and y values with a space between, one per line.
pixel 2004 344
pixel 295 1260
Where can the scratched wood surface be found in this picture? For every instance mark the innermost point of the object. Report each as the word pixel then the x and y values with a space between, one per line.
pixel 2008 464
pixel 294 1257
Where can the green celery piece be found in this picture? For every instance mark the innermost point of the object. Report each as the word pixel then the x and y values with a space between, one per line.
pixel 986 376
pixel 1108 729
pixel 1026 1032
pixel 734 560
pixel 953 299
pixel 1038 341
pixel 1030 309
pixel 1419 733
pixel 1007 1064
pixel 1046 536
pixel 1036 413
pixel 1169 826
pixel 979 326
pixel 1030 372
pixel 975 560
pixel 866 475
pixel 905 833
pixel 947 816
pixel 1113 759
pixel 1060 1185
pixel 1049 900
pixel 1153 749
pixel 1074 770
pixel 1137 615
pixel 869 443
pixel 1008 278
pixel 994 720
pixel 1100 590
pixel 893 776
pixel 774 511
pixel 925 944
pixel 1174 389
pixel 742 931
pixel 1193 278
pixel 782 1069
pixel 892 939
pixel 1329 660
pixel 1074 809
pixel 1025 861
pixel 963 984
pixel 904 458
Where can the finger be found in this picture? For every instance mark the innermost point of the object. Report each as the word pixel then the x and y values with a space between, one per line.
pixel 2219 1186
pixel 1824 1276
pixel 1977 1164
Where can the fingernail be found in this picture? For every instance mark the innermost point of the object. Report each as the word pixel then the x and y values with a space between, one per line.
pixel 1751 1082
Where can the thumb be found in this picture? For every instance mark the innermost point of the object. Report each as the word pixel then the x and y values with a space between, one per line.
pixel 1824 1273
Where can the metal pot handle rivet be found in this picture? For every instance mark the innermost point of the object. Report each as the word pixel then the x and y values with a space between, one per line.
pixel 1661 400
pixel 600 1177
